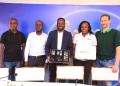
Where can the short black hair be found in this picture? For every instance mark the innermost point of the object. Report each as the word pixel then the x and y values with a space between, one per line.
pixel 14 19
pixel 89 26
pixel 106 16
pixel 60 19
pixel 40 21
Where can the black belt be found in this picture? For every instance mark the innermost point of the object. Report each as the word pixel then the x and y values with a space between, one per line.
pixel 37 56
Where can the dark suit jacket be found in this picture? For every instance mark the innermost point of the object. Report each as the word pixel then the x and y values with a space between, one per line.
pixel 52 41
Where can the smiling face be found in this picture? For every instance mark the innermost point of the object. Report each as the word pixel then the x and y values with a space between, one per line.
pixel 84 28
pixel 105 21
pixel 60 24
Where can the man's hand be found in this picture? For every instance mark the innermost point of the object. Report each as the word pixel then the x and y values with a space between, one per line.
pixel 94 64
pixel 75 58
pixel 114 68
pixel 22 63
pixel 85 59
pixel 48 58
pixel 26 64
pixel 2 65
pixel 45 65
pixel 67 62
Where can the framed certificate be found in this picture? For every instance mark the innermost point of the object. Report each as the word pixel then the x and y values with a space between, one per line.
pixel 59 56
pixel 85 52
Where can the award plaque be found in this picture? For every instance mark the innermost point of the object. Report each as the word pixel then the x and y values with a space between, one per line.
pixel 59 56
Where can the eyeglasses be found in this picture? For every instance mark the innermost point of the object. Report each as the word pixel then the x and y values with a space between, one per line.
pixel 39 25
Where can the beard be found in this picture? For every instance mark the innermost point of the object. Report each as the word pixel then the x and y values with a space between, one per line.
pixel 60 28
pixel 13 28
pixel 39 30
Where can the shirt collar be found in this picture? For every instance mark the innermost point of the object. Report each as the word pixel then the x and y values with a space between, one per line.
pixel 60 32
pixel 86 35
pixel 12 32
pixel 41 33
pixel 107 30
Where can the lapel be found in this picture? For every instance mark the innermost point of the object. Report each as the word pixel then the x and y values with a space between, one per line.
pixel 56 37
pixel 63 40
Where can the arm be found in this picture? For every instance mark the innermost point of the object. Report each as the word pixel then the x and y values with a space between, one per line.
pixel 74 46
pixel 70 45
pixel 115 67
pixel 1 54
pixel 94 43
pixel 47 47
pixel 23 48
pixel 117 45
pixel 117 55
pixel 27 50
pixel 2 46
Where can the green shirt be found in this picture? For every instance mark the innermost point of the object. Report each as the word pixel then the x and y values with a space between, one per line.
pixel 107 43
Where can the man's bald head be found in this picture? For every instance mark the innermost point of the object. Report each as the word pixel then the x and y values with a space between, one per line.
pixel 39 25
pixel 13 23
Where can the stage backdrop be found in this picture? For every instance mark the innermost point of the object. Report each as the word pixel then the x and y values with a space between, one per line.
pixel 28 14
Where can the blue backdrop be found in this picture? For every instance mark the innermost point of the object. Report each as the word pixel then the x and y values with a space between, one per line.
pixel 27 14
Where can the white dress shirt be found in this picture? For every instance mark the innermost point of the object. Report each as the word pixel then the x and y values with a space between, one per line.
pixel 88 40
pixel 35 45
pixel 59 40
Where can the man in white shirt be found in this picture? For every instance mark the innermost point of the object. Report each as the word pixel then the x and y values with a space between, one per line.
pixel 35 47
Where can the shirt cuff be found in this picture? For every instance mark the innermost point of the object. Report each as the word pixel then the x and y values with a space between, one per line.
pixel 26 59
pixel 46 61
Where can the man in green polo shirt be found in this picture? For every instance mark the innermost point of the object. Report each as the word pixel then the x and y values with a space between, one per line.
pixel 108 49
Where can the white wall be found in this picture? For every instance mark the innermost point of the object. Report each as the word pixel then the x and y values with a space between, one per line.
pixel 74 2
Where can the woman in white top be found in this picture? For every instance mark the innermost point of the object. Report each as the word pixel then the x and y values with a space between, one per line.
pixel 84 38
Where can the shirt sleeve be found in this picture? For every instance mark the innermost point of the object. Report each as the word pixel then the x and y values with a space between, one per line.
pixel 24 39
pixel 94 43
pixel 3 39
pixel 48 44
pixel 27 47
pixel 74 39
pixel 117 39
pixel 46 61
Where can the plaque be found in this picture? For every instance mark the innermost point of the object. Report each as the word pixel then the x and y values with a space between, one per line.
pixel 59 56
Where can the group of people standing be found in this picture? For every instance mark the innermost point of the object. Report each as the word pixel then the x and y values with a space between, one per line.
pixel 36 50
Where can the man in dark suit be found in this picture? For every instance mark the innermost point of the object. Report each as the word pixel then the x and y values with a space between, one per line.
pixel 58 39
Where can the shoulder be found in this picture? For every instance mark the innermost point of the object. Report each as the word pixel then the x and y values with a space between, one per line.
pixel 52 32
pixel 44 34
pixel 32 33
pixel 67 32
pixel 97 32
pixel 114 30
pixel 21 33
pixel 77 36
pixel 5 33
pixel 92 35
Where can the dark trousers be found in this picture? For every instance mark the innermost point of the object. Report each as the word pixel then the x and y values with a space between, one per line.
pixel 38 61
pixel 52 70
pixel 87 69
